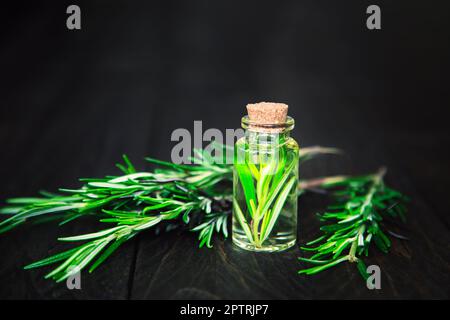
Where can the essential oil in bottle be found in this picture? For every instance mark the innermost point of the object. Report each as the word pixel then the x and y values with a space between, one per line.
pixel 265 180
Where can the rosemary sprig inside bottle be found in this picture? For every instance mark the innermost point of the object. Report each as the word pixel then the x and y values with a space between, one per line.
pixel 354 222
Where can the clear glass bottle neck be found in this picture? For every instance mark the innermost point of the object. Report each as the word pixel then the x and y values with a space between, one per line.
pixel 266 138
pixel 267 133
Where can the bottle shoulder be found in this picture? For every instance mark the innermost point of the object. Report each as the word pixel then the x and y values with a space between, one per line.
pixel 292 143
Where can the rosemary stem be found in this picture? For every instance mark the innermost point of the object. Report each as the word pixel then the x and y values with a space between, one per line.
pixel 352 254
pixel 256 220
pixel 377 179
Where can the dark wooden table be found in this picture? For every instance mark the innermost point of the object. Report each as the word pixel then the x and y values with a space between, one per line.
pixel 73 101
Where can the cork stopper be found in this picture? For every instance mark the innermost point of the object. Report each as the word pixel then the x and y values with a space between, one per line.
pixel 265 116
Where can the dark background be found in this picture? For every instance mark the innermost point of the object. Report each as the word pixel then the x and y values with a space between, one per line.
pixel 72 102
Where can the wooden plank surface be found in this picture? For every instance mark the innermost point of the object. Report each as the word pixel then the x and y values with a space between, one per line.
pixel 73 102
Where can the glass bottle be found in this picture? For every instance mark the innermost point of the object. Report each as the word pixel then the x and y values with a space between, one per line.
pixel 265 181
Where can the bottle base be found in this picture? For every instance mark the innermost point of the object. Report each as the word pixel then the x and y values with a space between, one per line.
pixel 275 247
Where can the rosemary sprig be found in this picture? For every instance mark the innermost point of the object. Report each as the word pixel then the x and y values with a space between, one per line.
pixel 354 222
pixel 134 202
